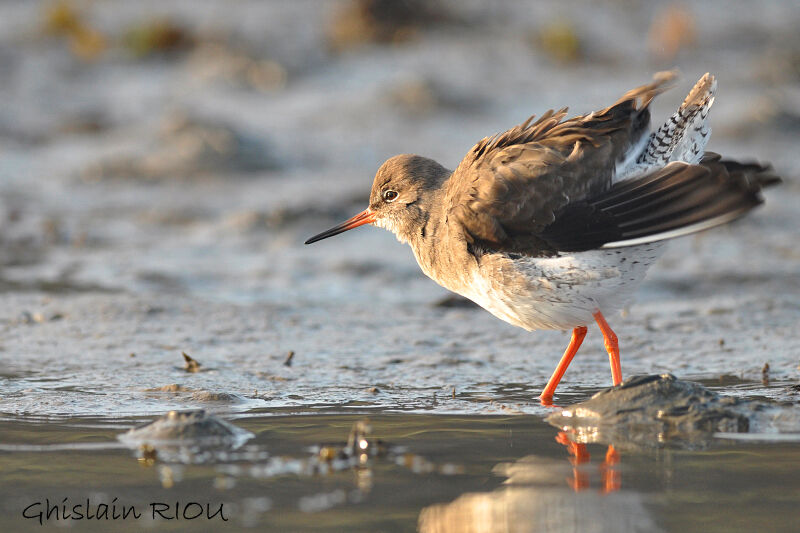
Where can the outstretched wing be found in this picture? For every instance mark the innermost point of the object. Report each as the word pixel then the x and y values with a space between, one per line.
pixel 509 187
pixel 676 200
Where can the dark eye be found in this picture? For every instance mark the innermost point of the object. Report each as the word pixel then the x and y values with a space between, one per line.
pixel 389 196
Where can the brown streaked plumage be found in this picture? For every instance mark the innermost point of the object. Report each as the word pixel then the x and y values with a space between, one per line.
pixel 554 223
pixel 509 187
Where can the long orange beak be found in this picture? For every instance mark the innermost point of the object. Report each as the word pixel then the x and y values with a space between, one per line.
pixel 364 217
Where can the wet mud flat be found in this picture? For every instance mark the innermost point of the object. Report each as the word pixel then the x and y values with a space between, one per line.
pixel 436 473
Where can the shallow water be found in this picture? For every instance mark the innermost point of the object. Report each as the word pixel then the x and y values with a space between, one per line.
pixel 448 473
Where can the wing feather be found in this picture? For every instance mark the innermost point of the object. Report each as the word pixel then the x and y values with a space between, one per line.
pixel 677 200
pixel 510 186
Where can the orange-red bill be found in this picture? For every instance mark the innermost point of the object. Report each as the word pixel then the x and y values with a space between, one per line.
pixel 364 217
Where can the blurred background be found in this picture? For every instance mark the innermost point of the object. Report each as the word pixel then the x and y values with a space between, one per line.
pixel 161 163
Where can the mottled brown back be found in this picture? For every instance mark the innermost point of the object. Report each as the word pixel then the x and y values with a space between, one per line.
pixel 509 187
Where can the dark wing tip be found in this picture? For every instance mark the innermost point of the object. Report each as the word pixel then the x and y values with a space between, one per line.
pixel 677 200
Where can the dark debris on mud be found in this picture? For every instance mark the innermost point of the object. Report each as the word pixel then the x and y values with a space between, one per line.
pixel 190 364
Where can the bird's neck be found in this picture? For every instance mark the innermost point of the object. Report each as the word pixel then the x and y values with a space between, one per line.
pixel 441 254
pixel 428 221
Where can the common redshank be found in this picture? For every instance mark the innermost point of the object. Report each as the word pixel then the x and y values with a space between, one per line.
pixel 554 223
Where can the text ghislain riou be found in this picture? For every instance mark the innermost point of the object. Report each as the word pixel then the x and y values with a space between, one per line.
pixel 115 510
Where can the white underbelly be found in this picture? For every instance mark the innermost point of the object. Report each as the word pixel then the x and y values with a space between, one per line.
pixel 560 292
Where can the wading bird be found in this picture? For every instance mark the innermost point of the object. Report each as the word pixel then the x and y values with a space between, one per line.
pixel 554 223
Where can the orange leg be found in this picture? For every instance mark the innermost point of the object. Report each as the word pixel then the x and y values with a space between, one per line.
pixel 575 342
pixel 612 347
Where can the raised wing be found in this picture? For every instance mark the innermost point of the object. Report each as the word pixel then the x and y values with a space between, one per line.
pixel 509 187
pixel 676 200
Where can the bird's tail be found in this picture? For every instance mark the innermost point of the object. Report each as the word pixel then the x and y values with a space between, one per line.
pixel 675 188
pixel 684 135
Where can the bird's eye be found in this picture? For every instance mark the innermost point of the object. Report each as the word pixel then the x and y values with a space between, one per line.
pixel 389 196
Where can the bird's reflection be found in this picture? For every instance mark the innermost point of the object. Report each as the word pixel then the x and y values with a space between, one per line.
pixel 610 477
pixel 547 494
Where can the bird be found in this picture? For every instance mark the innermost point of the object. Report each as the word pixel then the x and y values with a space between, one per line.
pixel 553 224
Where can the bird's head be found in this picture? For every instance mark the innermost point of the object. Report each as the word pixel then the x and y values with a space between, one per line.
pixel 401 197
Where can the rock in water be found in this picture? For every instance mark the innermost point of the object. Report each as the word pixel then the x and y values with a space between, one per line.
pixel 186 436
pixel 655 411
